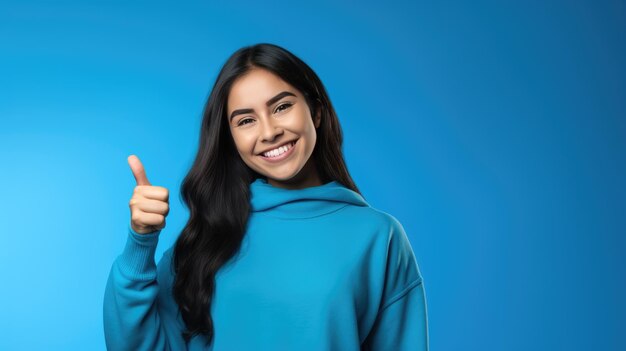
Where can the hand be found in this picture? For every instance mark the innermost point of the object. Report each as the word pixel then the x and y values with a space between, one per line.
pixel 149 204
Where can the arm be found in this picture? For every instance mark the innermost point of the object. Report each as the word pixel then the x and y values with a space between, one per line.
pixel 401 323
pixel 139 310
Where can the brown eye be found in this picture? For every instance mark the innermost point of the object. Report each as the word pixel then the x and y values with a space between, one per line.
pixel 243 120
pixel 280 107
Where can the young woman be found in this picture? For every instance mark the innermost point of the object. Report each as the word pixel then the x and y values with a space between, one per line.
pixel 280 252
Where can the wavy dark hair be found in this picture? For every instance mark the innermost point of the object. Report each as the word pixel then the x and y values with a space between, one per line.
pixel 216 189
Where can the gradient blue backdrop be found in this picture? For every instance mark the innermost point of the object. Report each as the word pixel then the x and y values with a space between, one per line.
pixel 494 131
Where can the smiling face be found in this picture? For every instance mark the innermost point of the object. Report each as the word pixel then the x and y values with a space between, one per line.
pixel 272 128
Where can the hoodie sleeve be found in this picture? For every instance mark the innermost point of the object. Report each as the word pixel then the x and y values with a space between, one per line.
pixel 139 310
pixel 401 323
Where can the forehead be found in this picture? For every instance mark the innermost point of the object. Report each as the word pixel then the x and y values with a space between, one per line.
pixel 255 88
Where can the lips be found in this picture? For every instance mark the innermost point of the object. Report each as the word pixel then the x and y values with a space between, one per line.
pixel 282 156
pixel 274 148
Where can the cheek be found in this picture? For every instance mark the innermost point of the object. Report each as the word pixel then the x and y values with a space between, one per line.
pixel 303 123
pixel 309 129
pixel 244 143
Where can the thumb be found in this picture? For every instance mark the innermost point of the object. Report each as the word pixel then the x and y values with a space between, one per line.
pixel 138 171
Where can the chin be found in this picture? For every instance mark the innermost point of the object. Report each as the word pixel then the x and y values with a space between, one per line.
pixel 282 177
pixel 284 173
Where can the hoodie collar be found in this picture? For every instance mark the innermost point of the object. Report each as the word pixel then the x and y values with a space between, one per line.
pixel 301 203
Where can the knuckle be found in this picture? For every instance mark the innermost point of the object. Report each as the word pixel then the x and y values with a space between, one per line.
pixel 164 192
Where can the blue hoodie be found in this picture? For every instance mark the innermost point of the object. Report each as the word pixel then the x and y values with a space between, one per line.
pixel 318 269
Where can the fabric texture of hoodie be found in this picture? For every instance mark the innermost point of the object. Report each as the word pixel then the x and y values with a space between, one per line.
pixel 318 269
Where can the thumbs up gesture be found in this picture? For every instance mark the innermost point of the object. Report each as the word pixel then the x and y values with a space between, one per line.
pixel 149 204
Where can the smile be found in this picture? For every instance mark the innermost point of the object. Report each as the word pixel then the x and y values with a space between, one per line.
pixel 279 153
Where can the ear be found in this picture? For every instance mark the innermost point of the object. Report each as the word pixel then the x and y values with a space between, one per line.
pixel 318 117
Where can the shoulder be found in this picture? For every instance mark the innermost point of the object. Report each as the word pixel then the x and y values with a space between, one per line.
pixel 386 231
pixel 398 242
pixel 396 269
pixel 384 222
pixel 400 256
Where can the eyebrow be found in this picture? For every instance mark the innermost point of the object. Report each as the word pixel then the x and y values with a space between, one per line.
pixel 269 103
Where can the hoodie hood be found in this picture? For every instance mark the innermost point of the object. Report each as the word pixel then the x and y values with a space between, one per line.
pixel 302 203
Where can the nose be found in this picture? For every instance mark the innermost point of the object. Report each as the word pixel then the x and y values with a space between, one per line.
pixel 269 130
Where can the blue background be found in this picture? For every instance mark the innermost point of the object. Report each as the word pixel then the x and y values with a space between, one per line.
pixel 494 131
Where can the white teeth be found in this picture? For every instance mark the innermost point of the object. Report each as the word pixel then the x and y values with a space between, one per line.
pixel 278 151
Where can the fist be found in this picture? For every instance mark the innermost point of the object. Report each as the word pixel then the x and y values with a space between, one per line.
pixel 149 204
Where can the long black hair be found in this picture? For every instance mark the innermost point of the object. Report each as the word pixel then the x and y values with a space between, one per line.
pixel 216 189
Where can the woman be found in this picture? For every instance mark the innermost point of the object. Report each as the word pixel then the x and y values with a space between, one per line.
pixel 280 252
